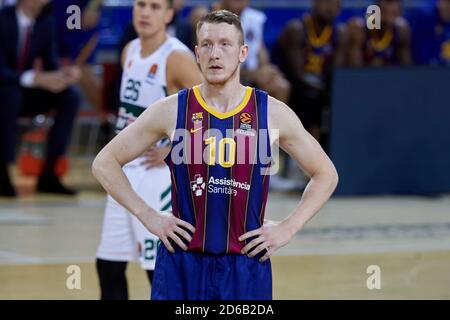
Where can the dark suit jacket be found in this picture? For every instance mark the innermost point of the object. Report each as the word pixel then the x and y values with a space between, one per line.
pixel 43 45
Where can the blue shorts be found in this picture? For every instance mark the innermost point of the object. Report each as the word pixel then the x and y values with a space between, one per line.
pixel 196 276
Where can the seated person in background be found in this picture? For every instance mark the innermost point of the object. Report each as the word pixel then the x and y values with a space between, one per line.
pixel 306 51
pixel 78 46
pixel 431 34
pixel 389 45
pixel 28 38
pixel 257 69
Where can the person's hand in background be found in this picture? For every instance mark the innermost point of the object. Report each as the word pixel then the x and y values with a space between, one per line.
pixel 71 73
pixel 91 15
pixel 53 81
pixel 155 157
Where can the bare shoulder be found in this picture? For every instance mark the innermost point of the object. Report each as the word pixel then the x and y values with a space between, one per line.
pixel 167 104
pixel 124 52
pixel 161 116
pixel 182 71
pixel 277 108
pixel 179 62
pixel 281 117
pixel 166 108
pixel 178 56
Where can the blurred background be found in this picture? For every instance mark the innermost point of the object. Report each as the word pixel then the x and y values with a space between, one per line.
pixel 377 100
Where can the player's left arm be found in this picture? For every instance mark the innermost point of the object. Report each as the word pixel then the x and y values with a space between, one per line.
pixel 309 155
pixel 404 42
pixel 182 71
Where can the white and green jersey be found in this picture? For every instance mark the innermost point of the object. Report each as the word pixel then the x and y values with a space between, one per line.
pixel 144 80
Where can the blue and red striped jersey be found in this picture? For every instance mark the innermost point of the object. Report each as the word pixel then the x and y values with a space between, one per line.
pixel 219 167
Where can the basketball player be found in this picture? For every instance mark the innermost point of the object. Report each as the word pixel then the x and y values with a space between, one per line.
pixel 389 45
pixel 216 244
pixel 154 65
pixel 307 50
pixel 257 69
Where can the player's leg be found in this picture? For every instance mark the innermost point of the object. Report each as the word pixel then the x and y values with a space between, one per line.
pixel 182 275
pixel 117 247
pixel 113 282
pixel 150 274
pixel 11 99
pixel 239 277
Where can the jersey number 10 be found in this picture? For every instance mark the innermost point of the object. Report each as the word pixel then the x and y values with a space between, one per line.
pixel 211 141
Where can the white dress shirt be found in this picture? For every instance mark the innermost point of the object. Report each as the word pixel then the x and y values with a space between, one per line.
pixel 24 22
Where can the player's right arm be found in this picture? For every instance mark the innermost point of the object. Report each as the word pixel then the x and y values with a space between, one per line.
pixel 123 56
pixel 310 156
pixel 154 123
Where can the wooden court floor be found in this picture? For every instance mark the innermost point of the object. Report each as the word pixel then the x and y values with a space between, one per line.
pixel 404 276
pixel 408 238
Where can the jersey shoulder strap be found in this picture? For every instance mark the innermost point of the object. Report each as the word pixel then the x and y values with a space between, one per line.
pixel 133 47
pixel 182 108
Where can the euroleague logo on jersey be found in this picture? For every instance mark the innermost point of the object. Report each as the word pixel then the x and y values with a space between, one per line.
pixel 245 124
pixel 245 118
pixel 152 72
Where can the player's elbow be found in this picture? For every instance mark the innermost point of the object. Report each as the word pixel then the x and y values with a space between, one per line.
pixel 333 177
pixel 97 166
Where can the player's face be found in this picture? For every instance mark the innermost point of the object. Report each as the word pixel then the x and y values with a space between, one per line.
pixel 151 16
pixel 444 9
pixel 219 52
pixel 327 10
pixel 390 11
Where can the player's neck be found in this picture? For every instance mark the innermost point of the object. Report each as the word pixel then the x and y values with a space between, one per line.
pixel 152 43
pixel 223 98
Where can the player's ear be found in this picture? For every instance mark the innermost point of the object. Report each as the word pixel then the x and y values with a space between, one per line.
pixel 196 54
pixel 169 15
pixel 243 53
